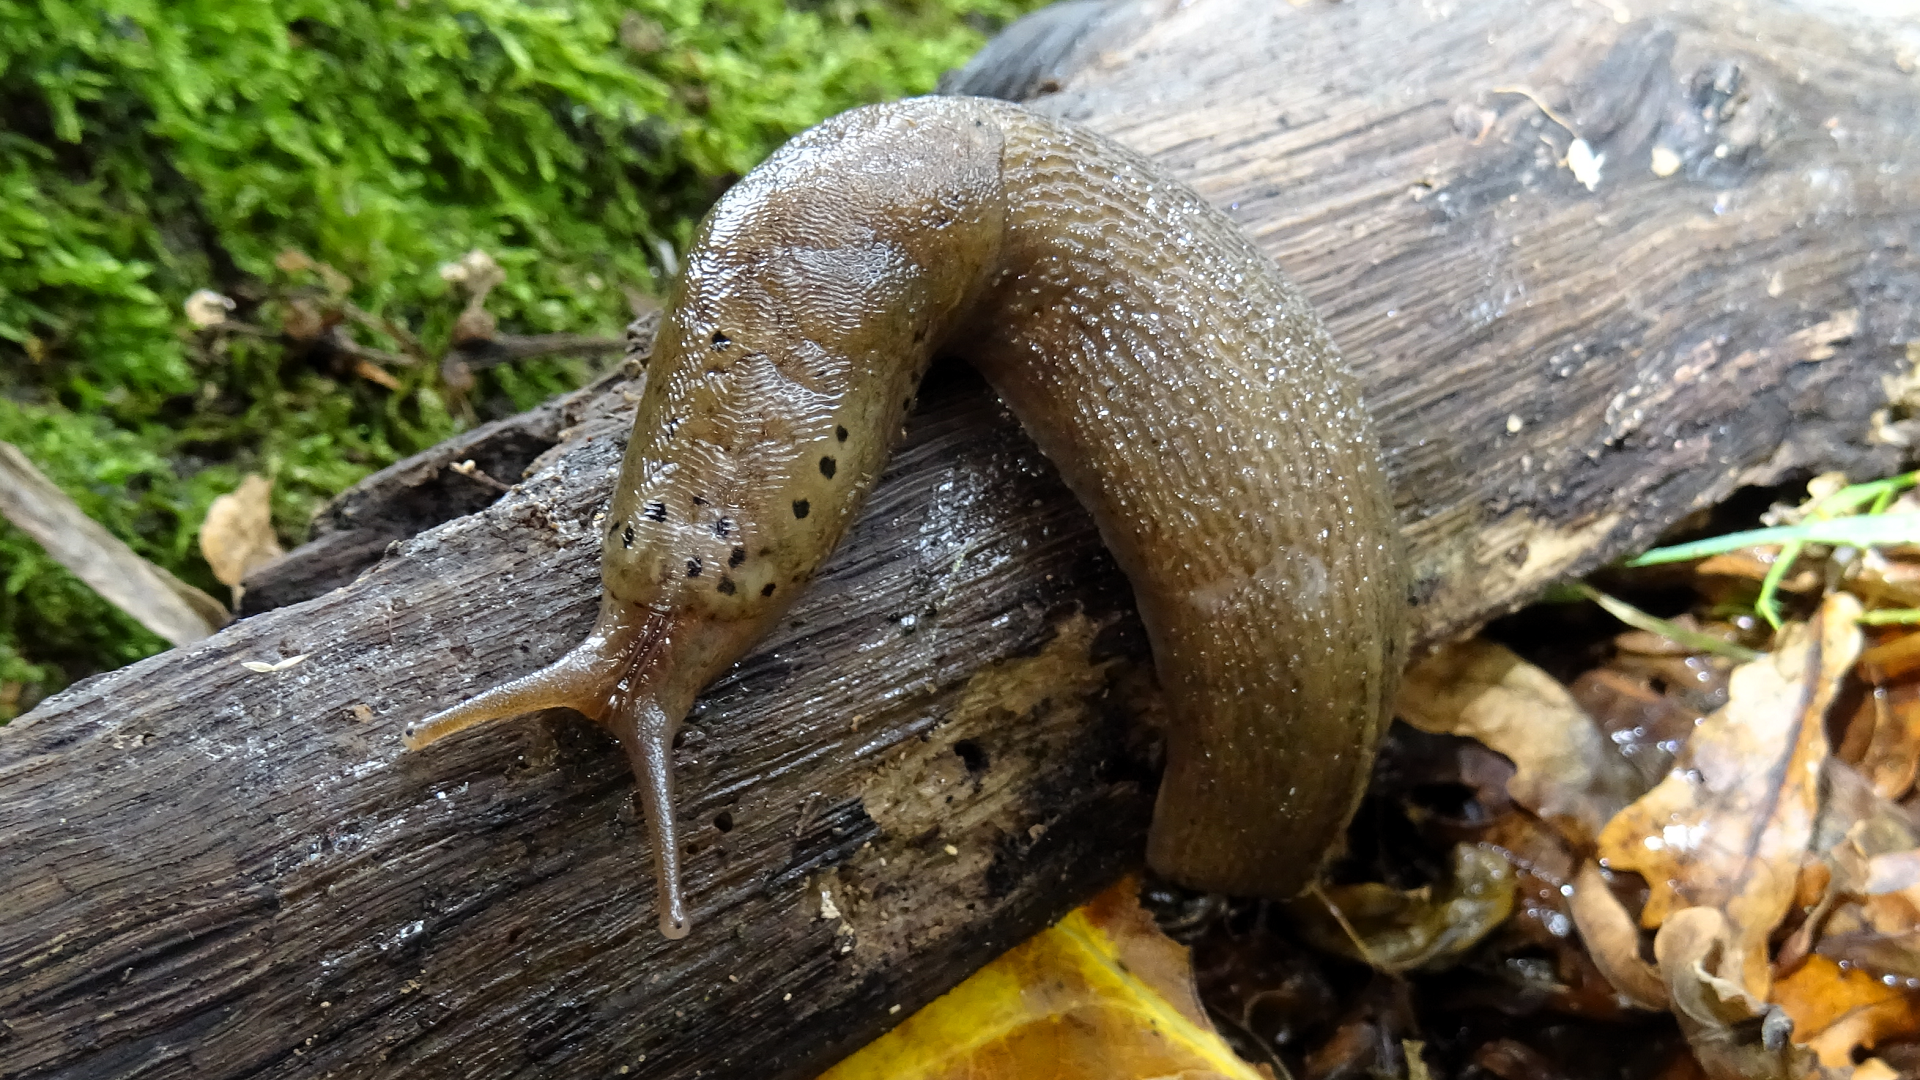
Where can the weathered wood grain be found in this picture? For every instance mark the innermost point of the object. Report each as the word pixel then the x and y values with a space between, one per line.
pixel 1560 373
pixel 211 871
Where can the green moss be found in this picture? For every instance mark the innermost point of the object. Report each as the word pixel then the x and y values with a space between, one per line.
pixel 150 150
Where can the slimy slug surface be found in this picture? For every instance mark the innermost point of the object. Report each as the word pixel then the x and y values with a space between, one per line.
pixel 1183 387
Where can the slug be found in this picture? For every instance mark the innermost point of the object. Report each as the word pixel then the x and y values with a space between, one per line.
pixel 1185 390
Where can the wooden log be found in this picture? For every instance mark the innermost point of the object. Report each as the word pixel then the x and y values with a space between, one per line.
pixel 213 870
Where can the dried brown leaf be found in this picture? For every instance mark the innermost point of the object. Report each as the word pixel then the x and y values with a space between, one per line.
pixel 1645 719
pixel 1836 1009
pixel 1730 826
pixel 1613 940
pixel 1566 770
pixel 237 534
pixel 1891 760
pixel 1893 658
pixel 1734 1035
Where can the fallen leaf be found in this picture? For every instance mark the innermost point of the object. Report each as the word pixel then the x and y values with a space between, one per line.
pixel 1416 1050
pixel 237 534
pixel 1566 770
pixel 1891 758
pixel 1511 1059
pixel 1730 826
pixel 1543 923
pixel 1836 1009
pixel 1643 718
pixel 1101 994
pixel 1613 940
pixel 1400 930
pixel 1870 916
pixel 1734 1035
pixel 1894 871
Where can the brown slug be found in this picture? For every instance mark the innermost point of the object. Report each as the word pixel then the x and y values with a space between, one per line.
pixel 1185 390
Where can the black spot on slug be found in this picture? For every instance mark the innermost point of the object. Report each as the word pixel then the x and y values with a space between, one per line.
pixel 767 589
pixel 626 538
pixel 720 340
pixel 801 508
pixel 657 510
pixel 723 821
pixel 840 433
pixel 722 527
pixel 698 501
pixel 739 556
pixel 693 567
pixel 828 466
pixel 726 586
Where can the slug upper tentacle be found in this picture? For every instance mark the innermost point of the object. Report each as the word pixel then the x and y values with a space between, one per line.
pixel 1185 390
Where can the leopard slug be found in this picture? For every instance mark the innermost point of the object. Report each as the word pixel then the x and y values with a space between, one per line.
pixel 1184 389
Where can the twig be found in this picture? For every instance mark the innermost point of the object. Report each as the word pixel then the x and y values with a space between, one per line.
pixel 160 602
pixel 507 348
pixel 1541 105
pixel 383 325
pixel 1353 935
pixel 474 472
pixel 348 347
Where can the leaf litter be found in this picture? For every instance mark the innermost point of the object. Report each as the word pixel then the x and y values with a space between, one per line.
pixel 1686 850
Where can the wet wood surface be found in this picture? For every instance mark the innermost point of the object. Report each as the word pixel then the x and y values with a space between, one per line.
pixel 213 870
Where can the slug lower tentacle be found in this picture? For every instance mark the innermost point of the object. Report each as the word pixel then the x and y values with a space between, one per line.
pixel 1184 389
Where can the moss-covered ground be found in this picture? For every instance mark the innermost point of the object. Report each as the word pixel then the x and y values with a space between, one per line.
pixel 149 150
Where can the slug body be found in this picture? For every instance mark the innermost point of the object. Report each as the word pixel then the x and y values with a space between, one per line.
pixel 1184 389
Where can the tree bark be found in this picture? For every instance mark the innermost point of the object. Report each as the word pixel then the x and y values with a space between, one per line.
pixel 213 870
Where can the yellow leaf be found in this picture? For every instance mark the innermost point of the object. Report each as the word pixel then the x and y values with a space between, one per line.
pixel 1102 995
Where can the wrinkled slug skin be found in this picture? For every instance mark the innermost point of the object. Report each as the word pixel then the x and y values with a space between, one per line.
pixel 1185 390
pixel 1195 404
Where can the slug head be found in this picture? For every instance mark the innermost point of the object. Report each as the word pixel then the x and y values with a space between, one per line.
pixel 814 295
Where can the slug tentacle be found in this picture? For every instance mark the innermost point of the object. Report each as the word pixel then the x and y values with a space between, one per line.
pixel 616 676
pixel 584 680
pixel 1184 388
pixel 646 733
